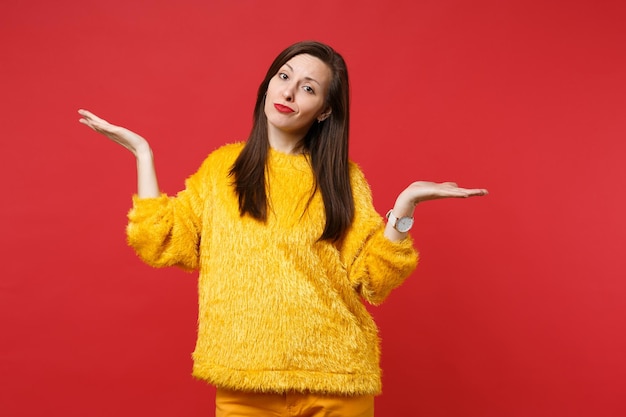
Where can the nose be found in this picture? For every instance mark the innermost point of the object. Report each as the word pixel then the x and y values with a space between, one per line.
pixel 288 92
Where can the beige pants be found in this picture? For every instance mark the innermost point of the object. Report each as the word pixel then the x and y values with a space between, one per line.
pixel 244 404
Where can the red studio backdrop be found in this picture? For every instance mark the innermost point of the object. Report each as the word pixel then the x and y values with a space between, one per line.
pixel 518 306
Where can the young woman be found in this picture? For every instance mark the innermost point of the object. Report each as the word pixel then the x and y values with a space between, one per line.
pixel 287 243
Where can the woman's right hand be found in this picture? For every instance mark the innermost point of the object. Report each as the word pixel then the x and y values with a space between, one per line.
pixel 128 139
pixel 147 184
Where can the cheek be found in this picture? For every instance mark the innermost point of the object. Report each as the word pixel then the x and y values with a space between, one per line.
pixel 270 95
pixel 315 107
pixel 267 102
pixel 265 106
pixel 270 88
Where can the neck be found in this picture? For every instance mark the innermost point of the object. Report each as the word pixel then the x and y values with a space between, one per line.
pixel 285 142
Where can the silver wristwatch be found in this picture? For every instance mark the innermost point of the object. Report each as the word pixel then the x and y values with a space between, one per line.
pixel 402 224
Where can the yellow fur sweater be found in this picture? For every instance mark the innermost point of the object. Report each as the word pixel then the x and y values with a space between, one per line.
pixel 278 310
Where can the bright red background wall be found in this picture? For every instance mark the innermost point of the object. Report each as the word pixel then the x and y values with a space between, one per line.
pixel 517 308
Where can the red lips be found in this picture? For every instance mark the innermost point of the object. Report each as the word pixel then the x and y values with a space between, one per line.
pixel 283 109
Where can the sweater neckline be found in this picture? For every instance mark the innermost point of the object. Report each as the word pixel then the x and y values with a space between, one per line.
pixel 288 160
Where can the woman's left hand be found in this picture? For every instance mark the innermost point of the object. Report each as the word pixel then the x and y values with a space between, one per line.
pixel 420 191
pixel 425 190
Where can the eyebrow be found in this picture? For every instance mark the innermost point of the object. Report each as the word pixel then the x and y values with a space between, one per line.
pixel 306 78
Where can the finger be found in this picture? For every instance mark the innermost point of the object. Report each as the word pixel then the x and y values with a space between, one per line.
pixel 90 116
pixel 90 125
pixel 86 113
pixel 476 192
pixel 450 184
pixel 463 193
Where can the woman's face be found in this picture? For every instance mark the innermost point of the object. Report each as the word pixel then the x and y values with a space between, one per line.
pixel 296 95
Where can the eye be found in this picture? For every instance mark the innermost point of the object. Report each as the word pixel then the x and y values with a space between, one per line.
pixel 309 89
pixel 282 76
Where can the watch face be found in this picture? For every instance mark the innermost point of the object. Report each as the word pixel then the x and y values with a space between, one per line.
pixel 404 224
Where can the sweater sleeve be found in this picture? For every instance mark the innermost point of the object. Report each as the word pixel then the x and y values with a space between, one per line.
pixel 165 231
pixel 375 264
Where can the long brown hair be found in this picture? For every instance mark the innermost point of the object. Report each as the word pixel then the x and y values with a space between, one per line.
pixel 326 143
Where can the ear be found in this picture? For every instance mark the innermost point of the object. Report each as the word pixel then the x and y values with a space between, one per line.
pixel 324 115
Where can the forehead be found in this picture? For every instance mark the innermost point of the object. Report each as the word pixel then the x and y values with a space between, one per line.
pixel 309 66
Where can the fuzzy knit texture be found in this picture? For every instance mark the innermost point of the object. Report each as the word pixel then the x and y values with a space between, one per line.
pixel 279 311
